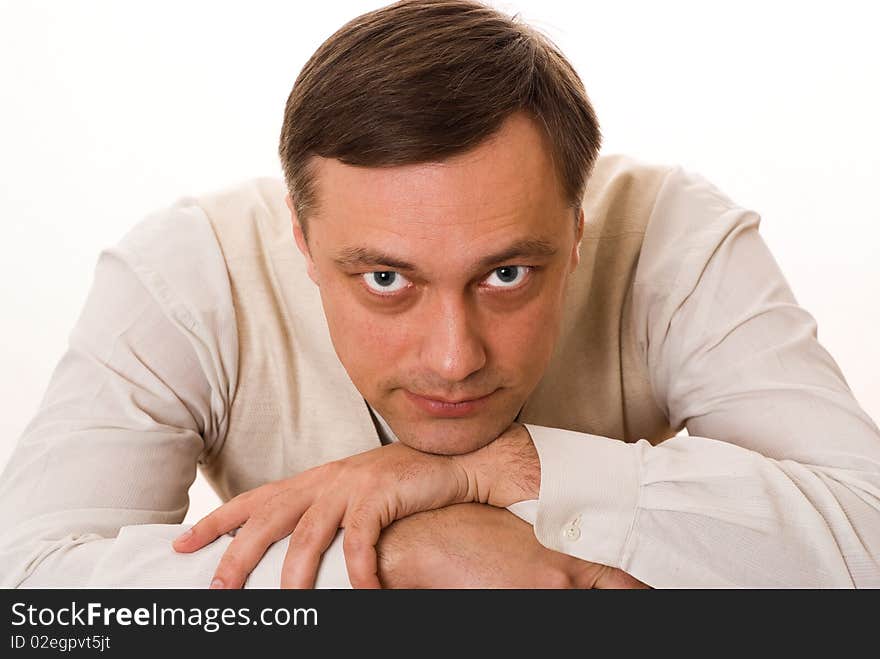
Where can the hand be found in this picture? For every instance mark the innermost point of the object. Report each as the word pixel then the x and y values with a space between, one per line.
pixel 477 546
pixel 362 494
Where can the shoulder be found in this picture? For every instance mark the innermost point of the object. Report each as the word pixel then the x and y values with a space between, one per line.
pixel 249 218
pixel 620 194
pixel 265 192
pixel 690 218
pixel 691 222
pixel 182 250
pixel 175 254
pixel 165 284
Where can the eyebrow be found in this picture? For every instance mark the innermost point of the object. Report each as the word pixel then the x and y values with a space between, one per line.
pixel 354 257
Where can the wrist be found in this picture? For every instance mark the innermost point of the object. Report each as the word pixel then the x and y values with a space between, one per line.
pixel 505 471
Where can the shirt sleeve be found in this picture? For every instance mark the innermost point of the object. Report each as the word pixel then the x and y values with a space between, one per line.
pixel 138 398
pixel 778 482
pixel 96 488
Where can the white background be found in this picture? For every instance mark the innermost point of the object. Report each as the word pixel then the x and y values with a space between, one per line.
pixel 109 110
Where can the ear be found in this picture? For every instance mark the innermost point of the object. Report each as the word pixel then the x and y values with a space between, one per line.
pixel 301 242
pixel 579 234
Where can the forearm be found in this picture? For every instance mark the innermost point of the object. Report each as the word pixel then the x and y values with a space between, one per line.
pixel 157 565
pixel 698 512
pixel 141 556
pixel 418 551
pixel 480 546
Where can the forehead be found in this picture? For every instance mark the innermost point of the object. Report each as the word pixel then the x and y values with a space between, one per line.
pixel 506 184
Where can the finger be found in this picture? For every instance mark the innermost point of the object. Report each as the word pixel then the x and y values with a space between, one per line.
pixel 613 578
pixel 362 530
pixel 308 542
pixel 272 522
pixel 227 517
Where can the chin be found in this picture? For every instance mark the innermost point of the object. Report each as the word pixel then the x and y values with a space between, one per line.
pixel 450 436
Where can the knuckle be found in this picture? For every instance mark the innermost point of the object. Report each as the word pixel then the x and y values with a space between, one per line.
pixel 558 580
pixel 261 517
pixel 248 499
pixel 230 568
pixel 306 531
pixel 328 470
pixel 620 579
pixel 263 492
pixel 207 526
pixel 360 517
pixel 352 544
pixel 364 476
pixel 258 533
pixel 242 498
pixel 279 498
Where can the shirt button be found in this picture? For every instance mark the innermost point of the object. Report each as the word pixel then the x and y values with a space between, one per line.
pixel 571 533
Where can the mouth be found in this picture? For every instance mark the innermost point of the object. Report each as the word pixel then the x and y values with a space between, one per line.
pixel 445 408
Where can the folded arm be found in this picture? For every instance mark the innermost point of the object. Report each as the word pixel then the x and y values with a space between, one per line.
pixel 96 488
pixel 778 483
pixel 128 412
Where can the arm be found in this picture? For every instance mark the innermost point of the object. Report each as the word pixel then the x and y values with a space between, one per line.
pixel 779 482
pixel 480 546
pixel 779 486
pixel 374 496
pixel 135 401
pixel 97 485
pixel 459 546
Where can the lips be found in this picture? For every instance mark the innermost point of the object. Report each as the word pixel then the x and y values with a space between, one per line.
pixel 448 408
pixel 438 399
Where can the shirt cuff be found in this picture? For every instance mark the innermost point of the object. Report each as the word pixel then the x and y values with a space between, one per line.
pixel 589 493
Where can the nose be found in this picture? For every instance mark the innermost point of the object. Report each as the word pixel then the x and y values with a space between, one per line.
pixel 452 348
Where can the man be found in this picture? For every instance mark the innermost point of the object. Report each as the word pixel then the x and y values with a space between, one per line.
pixel 451 306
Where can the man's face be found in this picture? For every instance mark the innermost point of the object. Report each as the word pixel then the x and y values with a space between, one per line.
pixel 443 283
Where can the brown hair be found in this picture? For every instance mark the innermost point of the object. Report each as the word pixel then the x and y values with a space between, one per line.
pixel 422 80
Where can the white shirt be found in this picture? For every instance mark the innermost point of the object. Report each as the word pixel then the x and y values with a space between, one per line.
pixel 798 506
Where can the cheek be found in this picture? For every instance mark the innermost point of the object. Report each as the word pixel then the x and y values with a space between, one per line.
pixel 367 345
pixel 523 342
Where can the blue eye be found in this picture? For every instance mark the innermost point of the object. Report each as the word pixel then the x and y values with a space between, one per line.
pixel 508 276
pixel 385 281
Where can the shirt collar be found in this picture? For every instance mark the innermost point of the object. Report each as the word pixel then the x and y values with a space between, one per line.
pixel 386 435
